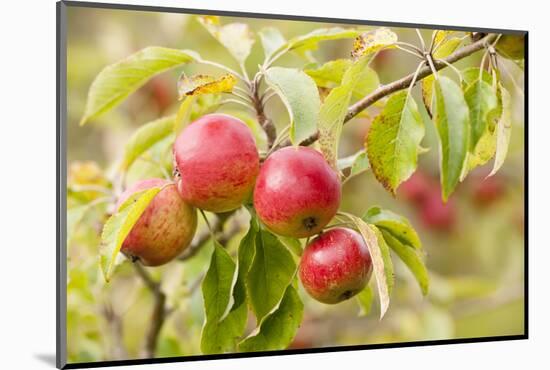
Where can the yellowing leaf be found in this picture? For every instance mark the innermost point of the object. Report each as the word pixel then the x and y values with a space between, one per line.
pixel 203 84
pixel 119 225
pixel 235 37
pixel 373 41
pixel 381 260
pixel 441 35
pixel 503 130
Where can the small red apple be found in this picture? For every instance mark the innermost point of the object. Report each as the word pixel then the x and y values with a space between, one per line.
pixel 335 266
pixel 217 161
pixel 417 188
pixel 164 229
pixel 436 214
pixel 297 193
pixel 488 191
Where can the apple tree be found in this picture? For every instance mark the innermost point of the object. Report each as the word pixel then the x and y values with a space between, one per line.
pixel 289 181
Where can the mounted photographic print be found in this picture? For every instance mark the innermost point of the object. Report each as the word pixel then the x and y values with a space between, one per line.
pixel 234 184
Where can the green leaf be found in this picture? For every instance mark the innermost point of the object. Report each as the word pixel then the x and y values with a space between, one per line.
pixel 365 299
pixel 360 164
pixel 115 82
pixel 272 40
pixel 393 141
pixel 301 98
pixel 481 100
pixel 411 258
pixel 235 37
pixel 279 327
pixel 119 225
pixel 444 50
pixel 183 117
pixel 371 42
pixel 293 244
pixel 271 272
pixel 331 74
pixel 398 226
pixel 224 323
pixel 334 110
pixel 247 248
pixel 451 118
pixel 381 260
pixel 471 75
pixel 503 130
pixel 145 137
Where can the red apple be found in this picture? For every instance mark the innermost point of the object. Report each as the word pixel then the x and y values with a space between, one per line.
pixel 297 192
pixel 417 188
pixel 487 191
pixel 217 161
pixel 164 229
pixel 437 215
pixel 335 266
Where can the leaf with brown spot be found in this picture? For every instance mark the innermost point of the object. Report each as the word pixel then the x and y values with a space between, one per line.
pixel 373 41
pixel 393 141
pixel 203 84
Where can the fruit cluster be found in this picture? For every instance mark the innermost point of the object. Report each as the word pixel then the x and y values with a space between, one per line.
pixel 295 193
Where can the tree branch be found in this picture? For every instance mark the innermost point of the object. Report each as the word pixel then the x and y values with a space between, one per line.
pixel 159 310
pixel 267 124
pixel 404 82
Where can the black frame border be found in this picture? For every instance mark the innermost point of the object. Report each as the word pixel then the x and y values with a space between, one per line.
pixel 61 186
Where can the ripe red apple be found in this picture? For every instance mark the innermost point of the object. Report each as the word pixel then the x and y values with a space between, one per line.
pixel 297 193
pixel 217 161
pixel 437 215
pixel 335 266
pixel 164 229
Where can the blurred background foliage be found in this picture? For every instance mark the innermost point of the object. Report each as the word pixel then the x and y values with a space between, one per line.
pixel 474 244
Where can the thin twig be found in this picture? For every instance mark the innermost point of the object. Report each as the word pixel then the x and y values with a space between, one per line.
pixel 409 52
pixel 235 101
pixel 159 310
pixel 421 39
pixel 265 122
pixel 217 226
